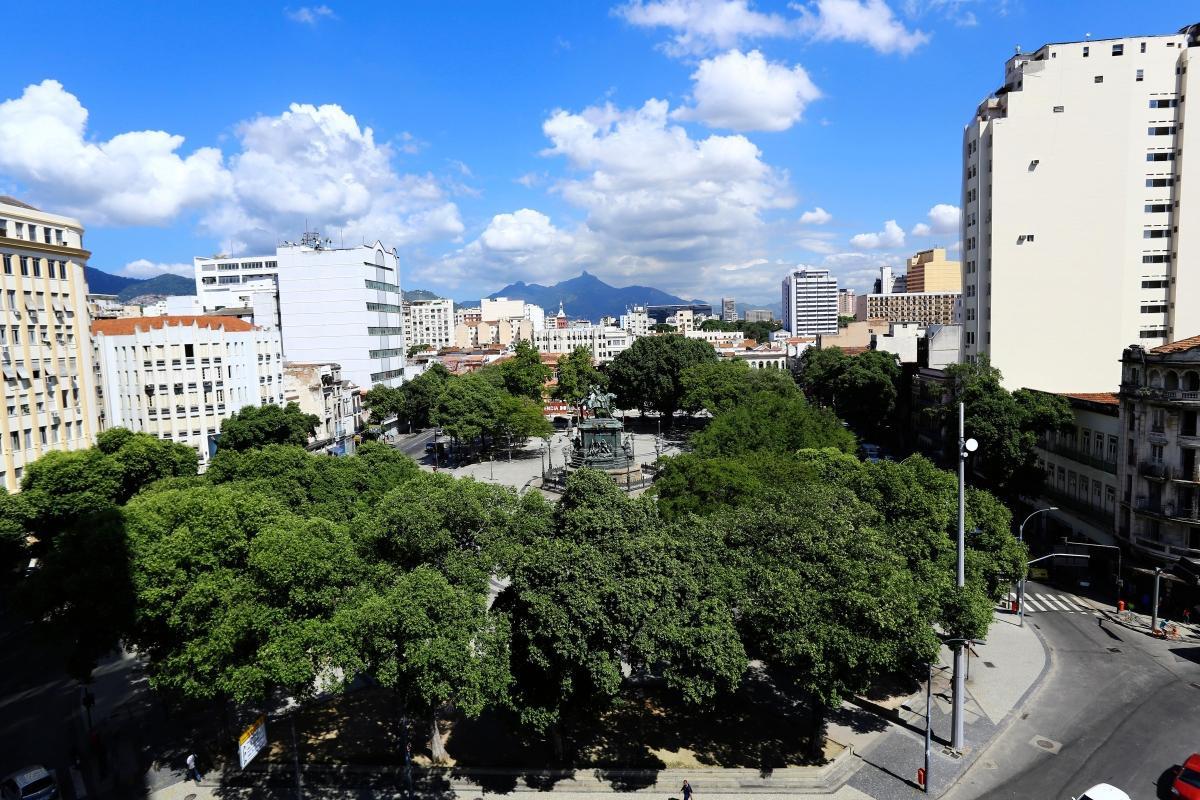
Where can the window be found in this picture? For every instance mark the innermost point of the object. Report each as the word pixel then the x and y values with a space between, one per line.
pixel 7 264
pixel 1118 49
pixel 1098 79
pixel 1155 284
pixel 1143 47
pixel 1154 309
pixel 24 265
pixel 1058 109
pixel 383 287
pixel 189 351
pixel 1156 453
pixel 1139 75
pixel 384 331
pixel 1157 258
pixel 1164 103
pixel 1161 130
pixel 1085 51
pixel 1152 333
pixel 1156 233
pixel 1160 156
pixel 1153 183
pixel 37 267
pixel 388 307
pixel 1112 449
pixel 389 353
pixel 1157 208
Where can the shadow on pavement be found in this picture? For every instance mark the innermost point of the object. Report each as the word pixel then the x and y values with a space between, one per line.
pixel 1190 653
pixel 1163 785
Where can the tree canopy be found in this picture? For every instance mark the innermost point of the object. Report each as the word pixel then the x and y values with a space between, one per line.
pixel 576 375
pixel 648 375
pixel 862 389
pixel 524 374
pixel 258 426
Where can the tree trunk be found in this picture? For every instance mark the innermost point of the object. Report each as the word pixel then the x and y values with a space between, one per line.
pixel 556 739
pixel 436 746
pixel 816 731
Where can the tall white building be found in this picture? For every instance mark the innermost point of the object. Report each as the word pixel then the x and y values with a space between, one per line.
pixel 340 305
pixel 178 378
pixel 429 322
pixel 636 321
pixel 729 309
pixel 1077 224
pixel 49 385
pixel 810 302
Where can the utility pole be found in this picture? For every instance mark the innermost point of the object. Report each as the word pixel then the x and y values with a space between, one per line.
pixel 1021 583
pixel 928 725
pixel 1154 613
pixel 965 447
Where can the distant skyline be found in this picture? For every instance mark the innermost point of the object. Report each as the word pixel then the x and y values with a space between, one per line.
pixel 703 147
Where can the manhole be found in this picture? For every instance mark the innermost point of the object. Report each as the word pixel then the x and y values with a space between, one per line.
pixel 1114 649
pixel 189 797
pixel 1046 745
pixel 989 664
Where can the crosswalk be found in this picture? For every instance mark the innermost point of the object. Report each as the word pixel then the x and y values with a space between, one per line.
pixel 1047 601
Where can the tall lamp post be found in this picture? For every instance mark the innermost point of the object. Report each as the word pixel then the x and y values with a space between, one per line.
pixel 965 447
pixel 1021 583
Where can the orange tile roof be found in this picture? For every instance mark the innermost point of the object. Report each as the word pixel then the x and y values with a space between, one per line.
pixel 130 325
pixel 1177 347
pixel 1105 398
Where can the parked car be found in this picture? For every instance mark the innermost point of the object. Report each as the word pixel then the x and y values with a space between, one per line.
pixel 31 783
pixel 1187 779
pixel 1102 791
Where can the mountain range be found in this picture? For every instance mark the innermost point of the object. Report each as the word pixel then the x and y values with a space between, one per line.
pixel 584 297
pixel 101 282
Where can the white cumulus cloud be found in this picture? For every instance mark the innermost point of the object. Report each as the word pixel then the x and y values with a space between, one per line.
pixel 869 22
pixel 891 236
pixel 701 26
pixel 817 216
pixel 745 92
pixel 134 178
pixel 145 268
pixel 943 219
pixel 309 15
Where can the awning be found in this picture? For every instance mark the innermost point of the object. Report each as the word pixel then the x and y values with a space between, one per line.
pixel 22 373
pixel 9 373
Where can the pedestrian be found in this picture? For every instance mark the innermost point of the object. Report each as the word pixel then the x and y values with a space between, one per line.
pixel 1187 616
pixel 686 790
pixel 192 770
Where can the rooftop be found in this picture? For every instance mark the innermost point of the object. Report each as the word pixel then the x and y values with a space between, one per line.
pixel 130 325
pixel 1104 398
pixel 1177 346
pixel 12 201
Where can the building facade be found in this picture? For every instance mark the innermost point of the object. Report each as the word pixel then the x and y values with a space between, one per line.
pixel 659 314
pixel 760 315
pixel 636 321
pixel 931 271
pixel 927 308
pixel 429 323
pixel 179 378
pixel 1159 459
pixel 1095 236
pixel 846 299
pixel 1081 467
pixel 49 383
pixel 605 343
pixel 729 309
pixel 810 302
pixel 340 305
pixel 320 390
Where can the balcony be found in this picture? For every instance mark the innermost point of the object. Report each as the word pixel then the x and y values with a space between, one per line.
pixel 1080 457
pixel 1100 516
pixel 1167 395
pixel 1156 470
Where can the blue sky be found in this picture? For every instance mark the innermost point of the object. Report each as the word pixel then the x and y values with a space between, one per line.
pixel 700 146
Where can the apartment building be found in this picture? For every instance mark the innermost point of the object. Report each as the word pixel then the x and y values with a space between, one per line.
pixel 1159 459
pixel 760 315
pixel 729 309
pixel 319 389
pixel 1081 467
pixel 846 298
pixel 931 271
pixel 926 308
pixel 810 302
pixel 636 321
pixel 179 378
pixel 604 342
pixel 429 323
pixel 340 305
pixel 45 355
pixel 1075 212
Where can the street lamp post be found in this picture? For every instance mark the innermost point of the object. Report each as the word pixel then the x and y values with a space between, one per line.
pixel 1021 583
pixel 928 725
pixel 1154 613
pixel 965 447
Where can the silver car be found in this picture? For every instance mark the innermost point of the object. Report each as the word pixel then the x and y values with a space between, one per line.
pixel 30 783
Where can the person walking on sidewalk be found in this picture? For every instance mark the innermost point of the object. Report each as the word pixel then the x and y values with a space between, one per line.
pixel 686 790
pixel 193 771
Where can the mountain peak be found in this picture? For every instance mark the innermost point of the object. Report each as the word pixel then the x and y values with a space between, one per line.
pixel 586 296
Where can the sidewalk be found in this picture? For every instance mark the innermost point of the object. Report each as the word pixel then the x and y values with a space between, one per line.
pixel 1136 621
pixel 1001 674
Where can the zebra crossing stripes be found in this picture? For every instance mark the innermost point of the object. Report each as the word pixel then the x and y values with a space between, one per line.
pixel 1061 603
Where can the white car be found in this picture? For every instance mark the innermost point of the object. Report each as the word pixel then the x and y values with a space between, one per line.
pixel 1102 791
pixel 30 783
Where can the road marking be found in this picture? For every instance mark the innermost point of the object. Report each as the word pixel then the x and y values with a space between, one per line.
pixel 1029 601
pixel 1054 604
pixel 1074 602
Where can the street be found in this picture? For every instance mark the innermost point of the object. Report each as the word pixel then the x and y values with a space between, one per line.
pixel 1116 707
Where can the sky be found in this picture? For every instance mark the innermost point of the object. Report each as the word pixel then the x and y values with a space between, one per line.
pixel 703 147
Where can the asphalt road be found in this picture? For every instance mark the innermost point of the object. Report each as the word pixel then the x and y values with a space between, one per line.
pixel 1116 707
pixel 413 445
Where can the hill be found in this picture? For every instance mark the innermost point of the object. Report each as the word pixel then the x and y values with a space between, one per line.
pixel 101 282
pixel 586 296
pixel 419 294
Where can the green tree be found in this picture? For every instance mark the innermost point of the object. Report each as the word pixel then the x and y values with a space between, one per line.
pixel 648 375
pixel 759 331
pixel 524 374
pixel 662 327
pixel 520 418
pixel 713 324
pixel 468 407
pixel 258 426
pixel 861 388
pixel 770 423
pixel 576 375
pixel 416 349
pixel 718 386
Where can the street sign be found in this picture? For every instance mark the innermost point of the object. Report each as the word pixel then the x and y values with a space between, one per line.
pixel 252 740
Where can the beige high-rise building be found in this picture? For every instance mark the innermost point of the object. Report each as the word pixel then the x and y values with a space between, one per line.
pixel 1078 225
pixel 931 271
pixel 49 384
pixel 846 302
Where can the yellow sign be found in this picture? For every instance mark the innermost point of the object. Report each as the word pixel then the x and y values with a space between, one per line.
pixel 252 740
pixel 1039 573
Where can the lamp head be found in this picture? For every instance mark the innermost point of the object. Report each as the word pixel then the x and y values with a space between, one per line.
pixel 971 445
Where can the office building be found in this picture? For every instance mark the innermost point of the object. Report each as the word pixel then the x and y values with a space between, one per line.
pixel 810 302
pixel 931 271
pixel 339 305
pixel 729 309
pixel 319 389
pixel 604 342
pixel 1159 459
pixel 178 378
pixel 927 308
pixel 846 302
pixel 429 323
pixel 759 315
pixel 49 383
pixel 1077 224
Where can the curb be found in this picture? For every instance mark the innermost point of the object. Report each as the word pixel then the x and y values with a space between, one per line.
pixel 1145 631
